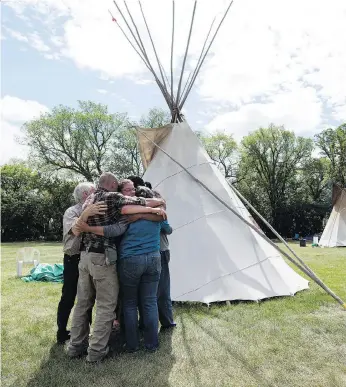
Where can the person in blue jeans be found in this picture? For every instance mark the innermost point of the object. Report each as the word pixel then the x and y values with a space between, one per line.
pixel 139 267
pixel 139 275
pixel 164 302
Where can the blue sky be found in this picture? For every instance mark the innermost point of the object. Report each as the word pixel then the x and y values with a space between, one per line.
pixel 283 63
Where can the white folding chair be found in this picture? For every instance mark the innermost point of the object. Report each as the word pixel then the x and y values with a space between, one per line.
pixel 27 256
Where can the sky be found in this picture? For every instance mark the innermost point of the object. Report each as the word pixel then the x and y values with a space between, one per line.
pixel 280 62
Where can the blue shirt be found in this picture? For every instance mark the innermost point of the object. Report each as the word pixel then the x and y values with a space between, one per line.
pixel 141 237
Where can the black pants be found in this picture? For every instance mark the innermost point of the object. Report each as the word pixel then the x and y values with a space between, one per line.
pixel 69 291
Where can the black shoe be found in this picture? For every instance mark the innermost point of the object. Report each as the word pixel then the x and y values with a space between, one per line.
pixel 167 327
pixel 151 349
pixel 62 337
pixel 126 349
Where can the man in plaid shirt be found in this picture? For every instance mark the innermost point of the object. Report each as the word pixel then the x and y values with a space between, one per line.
pixel 98 278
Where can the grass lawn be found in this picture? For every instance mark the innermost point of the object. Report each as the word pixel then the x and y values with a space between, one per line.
pixel 291 341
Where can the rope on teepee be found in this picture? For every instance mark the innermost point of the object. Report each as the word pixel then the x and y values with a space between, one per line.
pixel 308 272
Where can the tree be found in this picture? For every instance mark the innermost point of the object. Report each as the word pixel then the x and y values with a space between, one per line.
pixel 126 156
pixel 271 157
pixel 155 118
pixel 315 178
pixel 221 148
pixel 332 142
pixel 89 140
pixel 32 204
pixel 76 140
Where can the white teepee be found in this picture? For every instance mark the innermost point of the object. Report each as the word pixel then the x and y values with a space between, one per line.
pixel 215 256
pixel 334 234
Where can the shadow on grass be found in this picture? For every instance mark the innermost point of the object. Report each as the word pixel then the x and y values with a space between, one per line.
pixel 239 358
pixel 189 351
pixel 139 369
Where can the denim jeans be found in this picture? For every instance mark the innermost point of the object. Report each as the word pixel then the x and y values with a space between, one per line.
pixel 164 301
pixel 139 277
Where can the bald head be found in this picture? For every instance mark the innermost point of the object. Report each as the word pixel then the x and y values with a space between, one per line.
pixel 108 181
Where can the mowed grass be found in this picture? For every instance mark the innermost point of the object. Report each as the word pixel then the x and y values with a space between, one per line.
pixel 288 341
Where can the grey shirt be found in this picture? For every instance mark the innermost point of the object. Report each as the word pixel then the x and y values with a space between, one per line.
pixel 116 229
pixel 71 242
pixel 166 229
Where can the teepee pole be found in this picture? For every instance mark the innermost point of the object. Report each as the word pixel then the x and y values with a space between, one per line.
pixel 153 45
pixel 192 75
pixel 128 39
pixel 302 268
pixel 186 52
pixel 204 56
pixel 142 48
pixel 187 81
pixel 172 46
pixel 148 64
pixel 270 228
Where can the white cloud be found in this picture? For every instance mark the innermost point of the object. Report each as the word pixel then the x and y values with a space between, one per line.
pixel 54 56
pixel 14 109
pixel 37 43
pixel 14 112
pixel 16 35
pixel 34 40
pixel 339 112
pixel 299 110
pixel 102 91
pixel 268 55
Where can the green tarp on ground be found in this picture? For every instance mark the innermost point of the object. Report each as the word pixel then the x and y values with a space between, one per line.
pixel 46 273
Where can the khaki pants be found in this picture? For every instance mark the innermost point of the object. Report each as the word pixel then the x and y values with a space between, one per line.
pixel 97 281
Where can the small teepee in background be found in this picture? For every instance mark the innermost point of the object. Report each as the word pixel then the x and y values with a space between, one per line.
pixel 217 251
pixel 334 234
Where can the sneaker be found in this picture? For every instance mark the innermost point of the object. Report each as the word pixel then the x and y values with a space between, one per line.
pixel 62 337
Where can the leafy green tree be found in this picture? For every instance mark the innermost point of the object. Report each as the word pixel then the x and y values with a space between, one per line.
pixel 315 179
pixel 222 149
pixel 88 140
pixel 332 142
pixel 155 118
pixel 32 204
pixel 270 159
pixel 77 140
pixel 126 156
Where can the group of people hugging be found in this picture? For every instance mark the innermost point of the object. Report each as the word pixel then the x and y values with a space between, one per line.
pixel 122 264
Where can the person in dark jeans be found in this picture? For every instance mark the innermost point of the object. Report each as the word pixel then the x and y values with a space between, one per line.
pixel 139 274
pixel 164 302
pixel 72 257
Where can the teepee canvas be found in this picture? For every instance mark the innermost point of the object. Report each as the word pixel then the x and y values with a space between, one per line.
pixel 215 256
pixel 334 234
